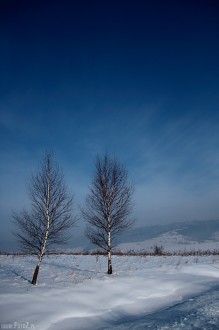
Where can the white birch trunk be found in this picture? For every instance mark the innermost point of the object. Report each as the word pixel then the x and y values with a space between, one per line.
pixel 109 248
pixel 46 234
pixel 48 222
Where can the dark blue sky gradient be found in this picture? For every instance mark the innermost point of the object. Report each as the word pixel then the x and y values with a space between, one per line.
pixel 139 79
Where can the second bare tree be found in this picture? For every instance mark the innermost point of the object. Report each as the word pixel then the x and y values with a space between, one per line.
pixel 108 204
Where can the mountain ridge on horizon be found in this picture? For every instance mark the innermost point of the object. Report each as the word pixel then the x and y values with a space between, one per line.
pixel 195 230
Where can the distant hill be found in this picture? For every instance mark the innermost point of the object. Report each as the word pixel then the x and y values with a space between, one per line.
pixel 183 232
pixel 172 236
pixel 181 236
pixel 193 230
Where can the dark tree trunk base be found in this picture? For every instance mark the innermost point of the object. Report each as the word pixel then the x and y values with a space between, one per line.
pixel 110 269
pixel 35 275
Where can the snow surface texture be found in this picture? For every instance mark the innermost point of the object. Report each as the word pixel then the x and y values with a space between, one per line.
pixel 74 292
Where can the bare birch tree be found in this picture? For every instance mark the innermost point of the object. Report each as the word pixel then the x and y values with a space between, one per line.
pixel 108 204
pixel 50 216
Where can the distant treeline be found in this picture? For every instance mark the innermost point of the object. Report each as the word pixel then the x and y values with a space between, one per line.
pixel 124 253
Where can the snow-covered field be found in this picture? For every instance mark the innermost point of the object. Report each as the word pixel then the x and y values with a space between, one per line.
pixel 74 292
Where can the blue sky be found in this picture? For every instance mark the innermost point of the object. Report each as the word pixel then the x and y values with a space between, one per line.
pixel 139 79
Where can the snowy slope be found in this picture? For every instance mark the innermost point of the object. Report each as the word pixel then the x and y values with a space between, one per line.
pixel 199 231
pixel 180 236
pixel 170 242
pixel 74 292
pixel 173 237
